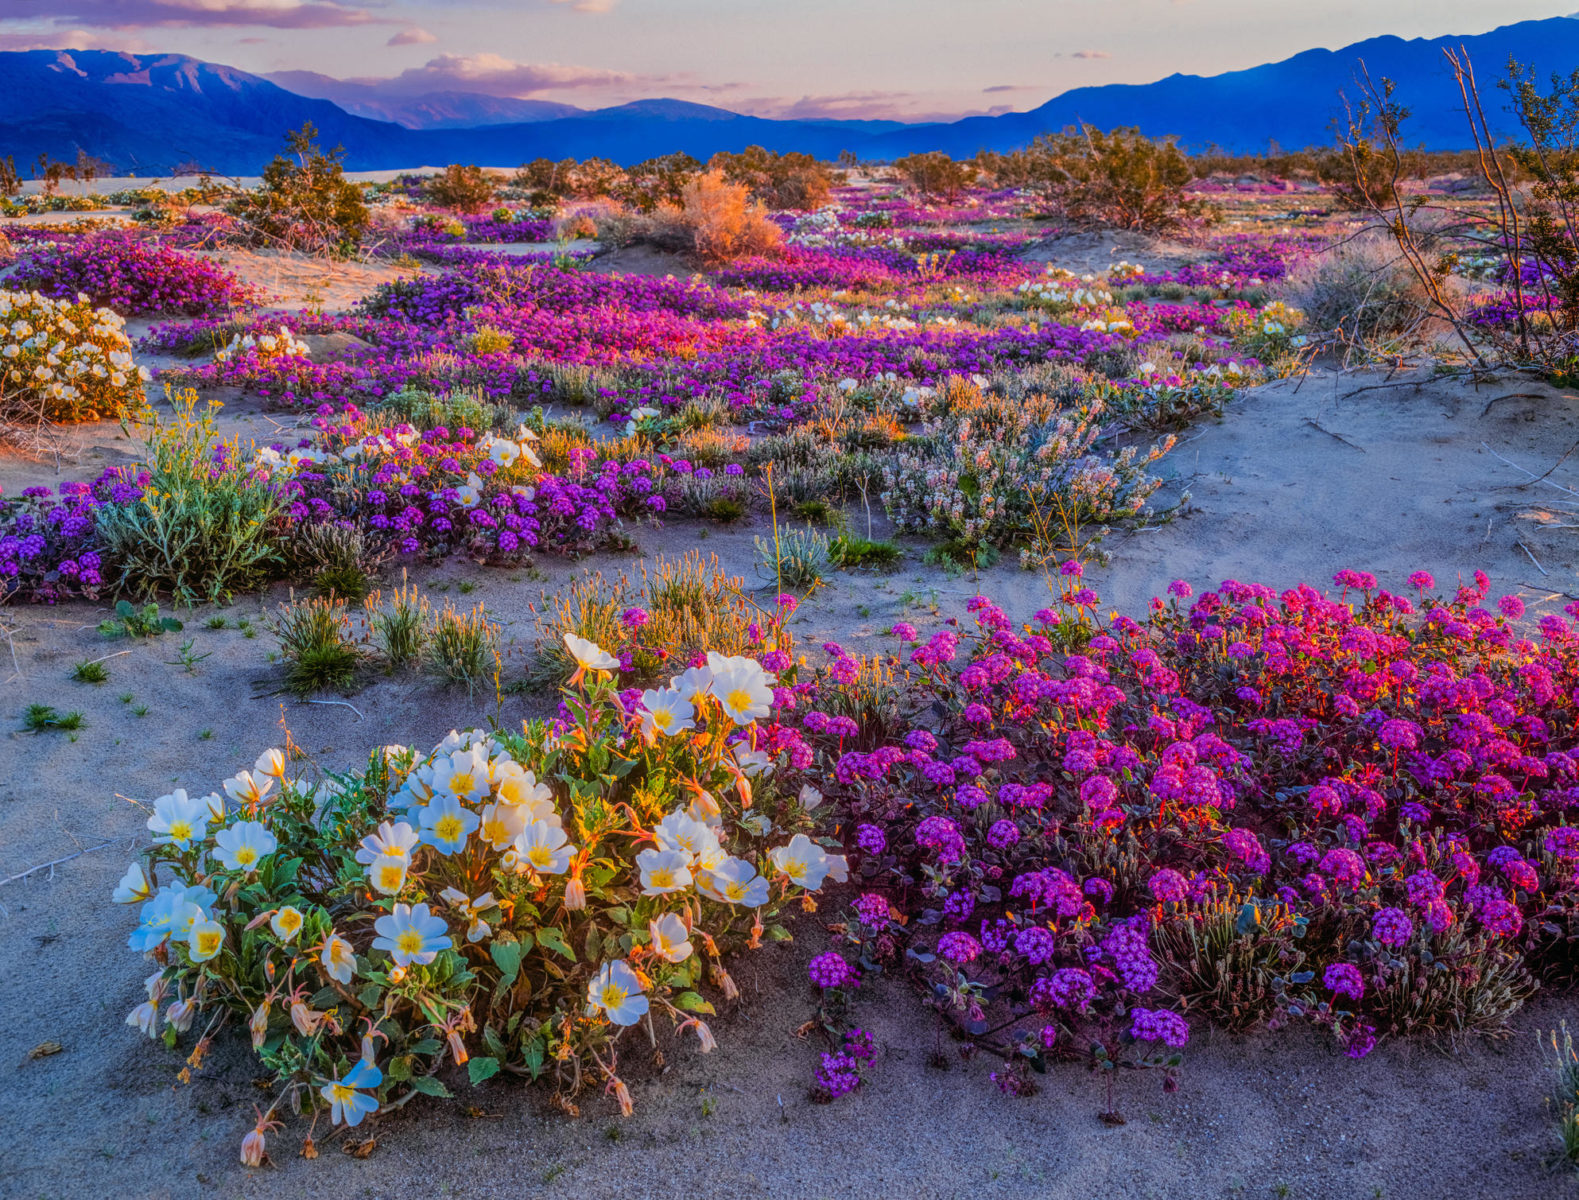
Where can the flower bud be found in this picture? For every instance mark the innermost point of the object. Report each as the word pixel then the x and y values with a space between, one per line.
pixel 623 1095
pixel 575 894
pixel 259 1025
pixel 180 1015
pixel 457 1048
pixel 252 1149
pixel 145 1017
pixel 309 1148
pixel 705 1036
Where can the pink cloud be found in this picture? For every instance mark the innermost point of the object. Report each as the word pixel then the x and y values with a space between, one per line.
pixel 136 14
pixel 411 37
pixel 498 76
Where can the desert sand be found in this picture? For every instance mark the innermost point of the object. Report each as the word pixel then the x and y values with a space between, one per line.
pixel 1299 479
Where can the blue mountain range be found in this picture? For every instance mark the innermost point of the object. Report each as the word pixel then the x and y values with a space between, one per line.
pixel 148 114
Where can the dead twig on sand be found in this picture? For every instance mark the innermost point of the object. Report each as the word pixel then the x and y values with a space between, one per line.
pixel 1336 436
pixel 1533 559
pixel 49 866
pixel 345 703
pixel 1533 477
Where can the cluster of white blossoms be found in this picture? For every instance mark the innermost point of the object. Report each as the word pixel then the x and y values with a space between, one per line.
pixel 74 357
pixel 264 348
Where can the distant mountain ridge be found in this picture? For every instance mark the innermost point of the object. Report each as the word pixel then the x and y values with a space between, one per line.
pixel 148 114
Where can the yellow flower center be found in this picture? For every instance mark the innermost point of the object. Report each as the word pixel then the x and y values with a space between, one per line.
pixel 663 877
pixel 540 856
pixel 739 700
pixel 450 828
pixel 208 943
pixel 462 783
pixel 662 719
pixel 391 877
pixel 246 856
pixel 290 921
pixel 613 995
pixel 735 891
pixel 341 1093
pixel 180 831
pixel 409 942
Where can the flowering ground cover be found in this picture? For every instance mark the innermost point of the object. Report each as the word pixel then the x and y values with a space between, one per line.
pixel 1052 836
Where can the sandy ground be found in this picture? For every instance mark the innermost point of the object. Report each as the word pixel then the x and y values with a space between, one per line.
pixel 1300 479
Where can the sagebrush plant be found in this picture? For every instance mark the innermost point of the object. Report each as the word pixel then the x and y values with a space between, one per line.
pixel 508 902
pixel 982 470
pixel 202 529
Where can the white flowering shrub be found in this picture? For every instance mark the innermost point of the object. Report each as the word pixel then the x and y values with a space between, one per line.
pixel 63 360
pixel 509 902
pixel 262 348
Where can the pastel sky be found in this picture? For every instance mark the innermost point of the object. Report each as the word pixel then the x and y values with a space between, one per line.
pixel 904 59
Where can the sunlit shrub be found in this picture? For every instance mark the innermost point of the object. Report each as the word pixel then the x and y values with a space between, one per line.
pixel 508 902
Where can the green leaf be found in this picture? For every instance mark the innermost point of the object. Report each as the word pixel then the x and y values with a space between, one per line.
pixel 779 934
pixel 400 1069
pixel 480 1069
pixel 594 943
pixel 428 1047
pixel 430 1086
pixel 507 957
pixel 369 996
pixel 550 936
pixel 691 1002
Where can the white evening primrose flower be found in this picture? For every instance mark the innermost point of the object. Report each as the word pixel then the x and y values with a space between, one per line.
pixel 396 840
pixel 692 682
pixel 664 714
pixel 695 839
pixel 287 923
pixel 271 762
pixel 514 785
pixel 810 798
pixel 734 881
pixel 463 775
pixel 670 938
pixel 502 824
pixel 386 874
pixel 412 935
pixel 470 910
pixel 134 887
pixel 205 940
pixel 180 819
pixel 616 992
pixel 704 807
pixel 171 912
pixel 503 451
pixel 803 862
pixel 751 762
pixel 338 959
pixel 542 848
pixel 589 656
pixel 741 689
pixel 346 1104
pixel 244 845
pixel 446 825
pixel 470 492
pixel 644 413
pixel 663 871
pixel 245 788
